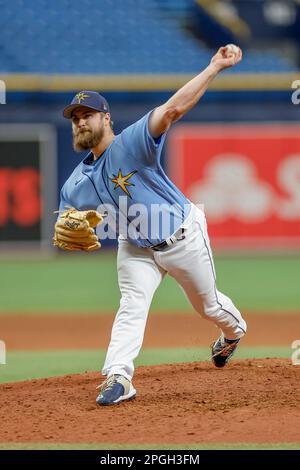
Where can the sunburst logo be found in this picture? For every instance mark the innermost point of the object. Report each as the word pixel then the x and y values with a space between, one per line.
pixel 81 96
pixel 122 181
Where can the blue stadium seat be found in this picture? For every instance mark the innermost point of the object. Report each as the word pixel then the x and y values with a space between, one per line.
pixel 107 37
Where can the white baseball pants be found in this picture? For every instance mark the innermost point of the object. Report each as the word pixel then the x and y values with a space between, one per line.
pixel 140 271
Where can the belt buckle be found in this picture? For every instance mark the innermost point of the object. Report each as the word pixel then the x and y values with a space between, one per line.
pixel 179 235
pixel 159 246
pixel 169 241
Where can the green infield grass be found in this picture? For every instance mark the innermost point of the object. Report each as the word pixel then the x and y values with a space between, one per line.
pixel 88 283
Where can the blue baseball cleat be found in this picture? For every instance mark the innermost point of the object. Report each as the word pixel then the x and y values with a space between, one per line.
pixel 222 350
pixel 115 389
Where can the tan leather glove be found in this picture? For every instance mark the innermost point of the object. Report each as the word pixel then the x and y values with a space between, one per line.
pixel 74 230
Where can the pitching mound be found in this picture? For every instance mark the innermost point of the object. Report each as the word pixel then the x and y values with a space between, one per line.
pixel 248 401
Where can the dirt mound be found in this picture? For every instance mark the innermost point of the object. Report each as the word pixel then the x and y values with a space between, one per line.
pixel 248 401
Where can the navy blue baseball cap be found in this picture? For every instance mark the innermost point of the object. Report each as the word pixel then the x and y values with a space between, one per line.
pixel 87 99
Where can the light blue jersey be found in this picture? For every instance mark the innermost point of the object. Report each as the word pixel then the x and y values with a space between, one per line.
pixel 128 180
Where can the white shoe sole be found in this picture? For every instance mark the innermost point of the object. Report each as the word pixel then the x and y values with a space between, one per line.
pixel 130 396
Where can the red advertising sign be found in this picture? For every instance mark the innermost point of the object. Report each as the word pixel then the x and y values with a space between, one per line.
pixel 28 189
pixel 246 176
pixel 20 199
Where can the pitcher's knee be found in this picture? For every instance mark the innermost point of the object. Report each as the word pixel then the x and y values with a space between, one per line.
pixel 134 302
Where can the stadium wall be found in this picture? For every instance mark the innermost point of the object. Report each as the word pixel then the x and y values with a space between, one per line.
pixel 216 107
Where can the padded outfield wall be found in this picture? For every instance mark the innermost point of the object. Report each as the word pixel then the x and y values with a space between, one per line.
pixel 268 180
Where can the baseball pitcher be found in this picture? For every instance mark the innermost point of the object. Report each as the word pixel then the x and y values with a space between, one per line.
pixel 122 175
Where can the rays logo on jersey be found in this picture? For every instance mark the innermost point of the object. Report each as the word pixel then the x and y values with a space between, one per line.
pixel 122 181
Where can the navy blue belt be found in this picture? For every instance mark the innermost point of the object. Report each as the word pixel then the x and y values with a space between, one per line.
pixel 179 235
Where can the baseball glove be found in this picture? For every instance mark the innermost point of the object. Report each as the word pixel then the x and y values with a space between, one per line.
pixel 74 230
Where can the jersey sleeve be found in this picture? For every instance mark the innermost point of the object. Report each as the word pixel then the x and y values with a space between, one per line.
pixel 140 144
pixel 64 203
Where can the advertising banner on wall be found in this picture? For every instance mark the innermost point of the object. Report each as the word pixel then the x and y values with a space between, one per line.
pixel 246 176
pixel 28 185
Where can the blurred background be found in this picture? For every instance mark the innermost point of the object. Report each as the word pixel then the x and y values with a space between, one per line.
pixel 237 151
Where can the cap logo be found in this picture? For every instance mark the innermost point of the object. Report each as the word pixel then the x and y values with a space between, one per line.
pixel 81 96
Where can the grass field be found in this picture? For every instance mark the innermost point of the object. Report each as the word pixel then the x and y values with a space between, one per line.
pixel 88 284
pixel 85 283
